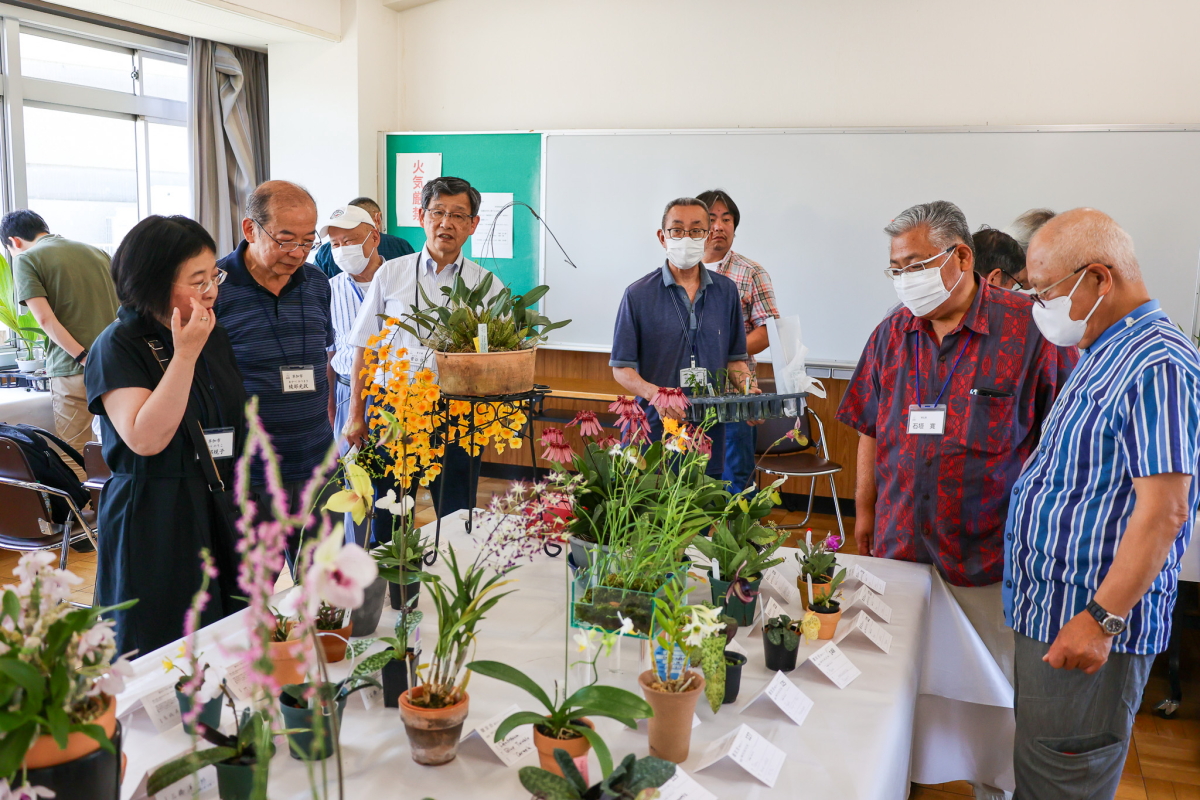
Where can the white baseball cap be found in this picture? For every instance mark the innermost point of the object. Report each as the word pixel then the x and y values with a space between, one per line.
pixel 346 218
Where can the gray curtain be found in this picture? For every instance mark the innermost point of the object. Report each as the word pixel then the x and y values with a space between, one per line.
pixel 229 135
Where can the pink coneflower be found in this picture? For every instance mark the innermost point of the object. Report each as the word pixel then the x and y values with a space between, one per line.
pixel 634 426
pixel 701 442
pixel 556 446
pixel 668 397
pixel 622 404
pixel 588 424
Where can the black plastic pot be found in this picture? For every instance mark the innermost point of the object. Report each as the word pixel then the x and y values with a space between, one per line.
pixel 302 745
pixel 397 677
pixel 235 781
pixel 365 619
pixel 778 657
pixel 733 674
pixel 400 592
pixel 96 776
pixel 743 613
pixel 210 715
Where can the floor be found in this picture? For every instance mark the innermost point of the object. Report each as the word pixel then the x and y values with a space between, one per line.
pixel 1163 762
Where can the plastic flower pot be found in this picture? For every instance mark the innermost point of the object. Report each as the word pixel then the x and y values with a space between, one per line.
pixel 396 678
pixel 581 551
pixel 741 611
pixel 334 643
pixel 365 619
pixel 45 752
pixel 829 623
pixel 210 715
pixel 399 593
pixel 733 675
pixel 303 745
pixel 95 775
pixel 671 725
pixel 576 747
pixel 433 733
pixel 234 781
pixel 778 657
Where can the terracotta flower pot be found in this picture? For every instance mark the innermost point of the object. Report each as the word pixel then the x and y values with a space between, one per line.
pixel 334 643
pixel 433 733
pixel 829 623
pixel 480 374
pixel 288 658
pixel 575 748
pixel 45 752
pixel 671 725
pixel 820 589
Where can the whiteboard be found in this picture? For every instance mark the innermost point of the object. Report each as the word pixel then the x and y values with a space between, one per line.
pixel 814 204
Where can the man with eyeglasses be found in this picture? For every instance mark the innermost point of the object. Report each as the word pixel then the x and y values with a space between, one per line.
pixel 389 246
pixel 948 398
pixel 449 215
pixel 681 326
pixel 999 259
pixel 1102 514
pixel 276 309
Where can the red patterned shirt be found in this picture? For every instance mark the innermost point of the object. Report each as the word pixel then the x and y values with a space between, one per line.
pixel 943 499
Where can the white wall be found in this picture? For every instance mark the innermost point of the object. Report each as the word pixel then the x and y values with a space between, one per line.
pixel 518 64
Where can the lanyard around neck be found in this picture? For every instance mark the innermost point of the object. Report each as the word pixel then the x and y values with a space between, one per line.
pixel 687 333
pixel 949 377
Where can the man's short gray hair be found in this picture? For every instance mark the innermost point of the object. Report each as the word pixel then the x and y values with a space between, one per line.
pixel 946 222
pixel 682 201
pixel 1026 225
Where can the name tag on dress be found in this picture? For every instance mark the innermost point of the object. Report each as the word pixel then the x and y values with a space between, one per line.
pixel 298 379
pixel 220 442
pixel 929 420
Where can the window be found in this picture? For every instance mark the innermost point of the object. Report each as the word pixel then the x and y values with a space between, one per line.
pixel 74 62
pixel 164 78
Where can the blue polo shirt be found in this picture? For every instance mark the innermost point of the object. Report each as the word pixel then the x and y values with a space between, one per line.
pixel 269 332
pixel 659 330
pixel 389 247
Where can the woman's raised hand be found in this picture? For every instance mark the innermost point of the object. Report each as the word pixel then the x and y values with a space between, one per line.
pixel 189 338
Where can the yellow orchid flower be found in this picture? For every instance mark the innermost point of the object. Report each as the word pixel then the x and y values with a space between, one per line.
pixel 358 498
pixel 810 626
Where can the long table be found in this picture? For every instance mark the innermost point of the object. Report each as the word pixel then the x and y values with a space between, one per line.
pixel 857 742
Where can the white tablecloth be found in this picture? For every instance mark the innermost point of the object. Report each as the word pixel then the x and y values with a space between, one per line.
pixel 28 407
pixel 856 742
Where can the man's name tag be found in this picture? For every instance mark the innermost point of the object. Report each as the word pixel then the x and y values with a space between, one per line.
pixel 220 442
pixel 930 420
pixel 298 379
pixel 693 377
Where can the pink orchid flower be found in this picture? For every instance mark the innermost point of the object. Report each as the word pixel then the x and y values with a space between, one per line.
pixel 341 572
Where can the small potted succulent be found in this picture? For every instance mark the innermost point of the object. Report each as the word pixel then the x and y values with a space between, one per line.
pixel 781 640
pixel 817 562
pixel 633 779
pixel 827 607
pixel 733 675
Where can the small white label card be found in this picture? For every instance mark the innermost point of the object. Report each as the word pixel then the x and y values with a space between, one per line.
pixel 512 748
pixel 183 789
pixel 833 662
pixel 877 584
pixel 683 787
pixel 163 708
pixel 785 694
pixel 735 647
pixel 298 378
pixel 873 630
pixel 769 610
pixel 238 680
pixel 929 420
pixel 749 750
pixel 373 695
pixel 868 599
pixel 785 588
pixel 220 442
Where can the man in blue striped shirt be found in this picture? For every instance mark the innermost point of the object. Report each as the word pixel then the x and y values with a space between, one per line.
pixel 1102 512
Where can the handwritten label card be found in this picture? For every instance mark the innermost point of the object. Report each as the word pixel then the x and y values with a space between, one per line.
pixel 163 708
pixel 512 748
pixel 833 662
pixel 183 789
pixel 683 787
pixel 237 678
pixel 872 629
pixel 373 695
pixel 785 694
pixel 782 586
pixel 868 599
pixel 748 749
pixel 877 584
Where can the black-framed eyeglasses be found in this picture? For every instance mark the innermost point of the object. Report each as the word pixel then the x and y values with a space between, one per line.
pixel 456 218
pixel 1040 297
pixel 290 246
pixel 202 288
pixel 917 266
pixel 695 233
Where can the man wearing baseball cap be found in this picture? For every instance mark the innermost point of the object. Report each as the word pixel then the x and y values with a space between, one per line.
pixel 389 246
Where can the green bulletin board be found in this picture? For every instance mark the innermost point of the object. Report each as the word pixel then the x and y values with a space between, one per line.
pixel 491 162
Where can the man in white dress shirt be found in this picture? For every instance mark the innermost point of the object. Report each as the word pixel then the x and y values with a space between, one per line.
pixel 449 215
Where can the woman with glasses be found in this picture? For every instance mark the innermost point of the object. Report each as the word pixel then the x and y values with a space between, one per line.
pixel 163 380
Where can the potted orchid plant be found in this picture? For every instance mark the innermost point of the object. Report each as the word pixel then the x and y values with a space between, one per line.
pixel 740 550
pixel 633 779
pixel 818 564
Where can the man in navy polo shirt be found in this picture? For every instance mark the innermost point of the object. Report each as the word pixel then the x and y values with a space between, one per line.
pixel 276 309
pixel 680 317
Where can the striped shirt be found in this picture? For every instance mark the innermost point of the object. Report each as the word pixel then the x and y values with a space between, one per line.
pixel 1130 409
pixel 269 332
pixel 754 287
pixel 346 297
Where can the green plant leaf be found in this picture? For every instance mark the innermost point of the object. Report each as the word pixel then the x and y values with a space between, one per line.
pixel 649 773
pixel 516 720
pixel 373 663
pixel 569 770
pixel 545 785
pixel 14 746
pixel 503 672
pixel 610 701
pixel 360 646
pixel 174 771
pixel 602 754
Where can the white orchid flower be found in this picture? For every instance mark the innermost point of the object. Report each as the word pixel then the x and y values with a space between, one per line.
pixel 398 506
pixel 341 572
pixel 584 639
pixel 214 677
pixel 626 625
pixel 113 683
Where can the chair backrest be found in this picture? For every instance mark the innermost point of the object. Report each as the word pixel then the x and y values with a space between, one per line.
pixel 26 515
pixel 93 461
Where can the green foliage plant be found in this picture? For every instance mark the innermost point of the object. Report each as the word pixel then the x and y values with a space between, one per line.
pixel 20 322
pixel 241 749
pixel 397 645
pixel 827 601
pixel 633 779
pixel 781 630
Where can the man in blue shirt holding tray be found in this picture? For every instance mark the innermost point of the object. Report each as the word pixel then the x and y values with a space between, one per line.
pixel 681 324
pixel 1102 512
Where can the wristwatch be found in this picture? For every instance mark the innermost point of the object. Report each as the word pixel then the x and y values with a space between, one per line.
pixel 1110 623
pixel 82 355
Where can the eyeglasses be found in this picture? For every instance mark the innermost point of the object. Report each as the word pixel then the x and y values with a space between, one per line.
pixel 290 246
pixel 202 288
pixel 694 233
pixel 917 266
pixel 1040 297
pixel 437 215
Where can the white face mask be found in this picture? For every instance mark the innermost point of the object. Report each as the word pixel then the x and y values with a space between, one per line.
pixel 923 291
pixel 350 258
pixel 1054 319
pixel 684 253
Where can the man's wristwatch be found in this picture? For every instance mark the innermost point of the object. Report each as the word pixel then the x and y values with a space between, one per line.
pixel 1109 623
pixel 82 355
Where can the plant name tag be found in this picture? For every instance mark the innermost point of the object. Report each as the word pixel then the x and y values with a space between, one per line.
pixel 237 678
pixel 872 629
pixel 859 573
pixel 163 708
pixel 787 695
pixel 748 749
pixel 781 585
pixel 833 662
pixel 373 695
pixel 512 748
pixel 868 599
pixel 183 789
pixel 683 787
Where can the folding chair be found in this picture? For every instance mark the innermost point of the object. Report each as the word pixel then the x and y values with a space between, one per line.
pixel 97 471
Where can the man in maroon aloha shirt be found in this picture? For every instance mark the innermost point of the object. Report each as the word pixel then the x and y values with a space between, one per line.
pixel 948 398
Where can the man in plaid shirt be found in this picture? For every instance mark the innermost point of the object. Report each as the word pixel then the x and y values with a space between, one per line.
pixel 758 305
